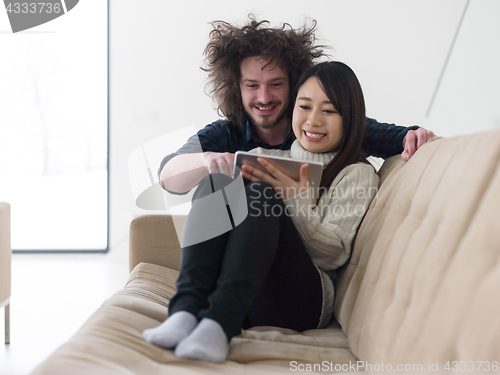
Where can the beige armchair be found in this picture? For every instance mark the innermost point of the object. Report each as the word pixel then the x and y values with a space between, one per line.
pixel 5 265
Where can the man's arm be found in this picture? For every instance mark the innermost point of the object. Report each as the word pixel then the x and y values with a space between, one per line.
pixel 183 172
pixel 203 153
pixel 386 140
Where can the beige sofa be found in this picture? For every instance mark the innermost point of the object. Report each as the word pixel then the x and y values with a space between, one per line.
pixel 421 291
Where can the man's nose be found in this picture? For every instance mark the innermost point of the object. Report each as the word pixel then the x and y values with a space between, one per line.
pixel 265 95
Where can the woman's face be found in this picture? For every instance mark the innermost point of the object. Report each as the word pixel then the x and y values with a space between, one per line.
pixel 316 123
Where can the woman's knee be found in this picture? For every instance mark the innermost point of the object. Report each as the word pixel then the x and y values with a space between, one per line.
pixel 260 190
pixel 263 200
pixel 210 184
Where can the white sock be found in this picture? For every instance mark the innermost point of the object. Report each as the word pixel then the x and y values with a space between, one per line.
pixel 171 331
pixel 207 342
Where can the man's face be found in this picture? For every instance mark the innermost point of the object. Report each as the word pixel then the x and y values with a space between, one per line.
pixel 264 92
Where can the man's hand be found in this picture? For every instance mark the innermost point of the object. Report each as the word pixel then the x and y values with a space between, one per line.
pixel 219 162
pixel 413 140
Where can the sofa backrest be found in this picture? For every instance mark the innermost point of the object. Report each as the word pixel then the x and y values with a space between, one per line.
pixel 423 282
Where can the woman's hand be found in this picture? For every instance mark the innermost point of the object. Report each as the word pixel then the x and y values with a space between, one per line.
pixel 284 185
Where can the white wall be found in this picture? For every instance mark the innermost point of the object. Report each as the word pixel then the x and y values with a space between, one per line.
pixel 468 100
pixel 397 48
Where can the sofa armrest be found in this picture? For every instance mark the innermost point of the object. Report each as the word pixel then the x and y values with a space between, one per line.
pixel 153 239
pixel 5 253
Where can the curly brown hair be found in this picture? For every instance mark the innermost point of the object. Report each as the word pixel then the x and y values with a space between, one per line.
pixel 292 49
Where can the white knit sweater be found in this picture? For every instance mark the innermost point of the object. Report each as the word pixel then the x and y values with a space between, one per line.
pixel 328 228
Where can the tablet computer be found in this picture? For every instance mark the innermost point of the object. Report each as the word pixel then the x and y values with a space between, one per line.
pixel 290 167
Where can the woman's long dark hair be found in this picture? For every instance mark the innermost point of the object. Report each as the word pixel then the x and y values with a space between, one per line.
pixel 342 88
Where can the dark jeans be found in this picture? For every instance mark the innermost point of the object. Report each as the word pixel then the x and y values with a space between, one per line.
pixel 258 273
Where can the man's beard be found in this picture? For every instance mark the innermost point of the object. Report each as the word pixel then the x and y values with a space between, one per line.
pixel 267 124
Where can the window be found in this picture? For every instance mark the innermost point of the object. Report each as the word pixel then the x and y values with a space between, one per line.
pixel 54 131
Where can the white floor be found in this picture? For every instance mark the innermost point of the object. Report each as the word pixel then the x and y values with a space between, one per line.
pixel 52 296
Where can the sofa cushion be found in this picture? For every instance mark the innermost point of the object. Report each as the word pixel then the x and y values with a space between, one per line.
pixel 110 342
pixel 422 284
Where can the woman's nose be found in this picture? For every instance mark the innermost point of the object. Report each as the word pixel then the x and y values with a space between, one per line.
pixel 314 119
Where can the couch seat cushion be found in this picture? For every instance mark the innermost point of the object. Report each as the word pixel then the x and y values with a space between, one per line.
pixel 110 342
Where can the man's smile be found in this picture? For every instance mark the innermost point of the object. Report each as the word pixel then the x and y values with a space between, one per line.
pixel 265 109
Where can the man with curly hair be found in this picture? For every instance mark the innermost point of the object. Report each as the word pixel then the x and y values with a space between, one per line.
pixel 252 73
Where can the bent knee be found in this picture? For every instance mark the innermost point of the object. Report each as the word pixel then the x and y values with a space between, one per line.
pixel 210 184
pixel 260 189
